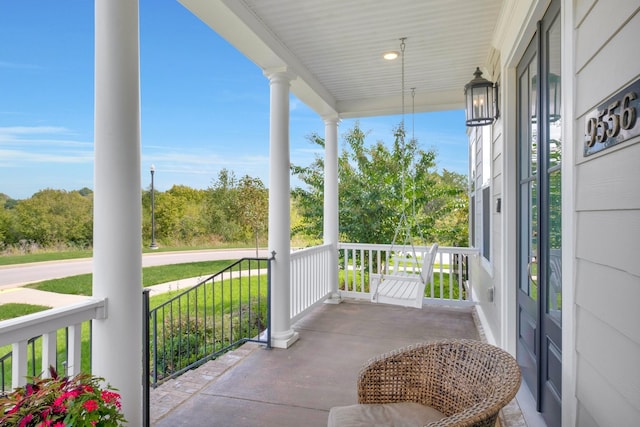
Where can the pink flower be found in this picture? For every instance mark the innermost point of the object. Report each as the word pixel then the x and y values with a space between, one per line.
pixel 58 401
pixel 90 405
pixel 110 397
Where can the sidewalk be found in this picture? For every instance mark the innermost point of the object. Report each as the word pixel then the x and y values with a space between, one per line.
pixel 35 297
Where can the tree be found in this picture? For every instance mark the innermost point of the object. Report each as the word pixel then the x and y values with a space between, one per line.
pixel 178 214
pixel 253 203
pixel 222 207
pixel 237 210
pixel 376 185
pixel 51 217
pixel 5 223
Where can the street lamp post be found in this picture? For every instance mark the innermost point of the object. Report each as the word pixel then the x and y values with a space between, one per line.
pixel 153 213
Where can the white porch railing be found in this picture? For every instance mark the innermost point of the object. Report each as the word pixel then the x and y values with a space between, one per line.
pixel 45 324
pixel 310 269
pixel 448 285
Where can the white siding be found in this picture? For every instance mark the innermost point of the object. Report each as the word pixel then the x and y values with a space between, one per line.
pixel 484 273
pixel 607 213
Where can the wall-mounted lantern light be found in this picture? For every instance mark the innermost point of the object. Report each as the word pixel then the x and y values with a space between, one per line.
pixel 552 96
pixel 481 100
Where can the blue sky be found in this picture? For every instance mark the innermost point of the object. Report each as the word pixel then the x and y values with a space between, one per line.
pixel 204 106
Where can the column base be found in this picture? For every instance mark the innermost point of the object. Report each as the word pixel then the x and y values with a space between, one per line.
pixel 284 339
pixel 333 299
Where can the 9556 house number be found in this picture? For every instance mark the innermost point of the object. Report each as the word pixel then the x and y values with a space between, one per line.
pixel 614 121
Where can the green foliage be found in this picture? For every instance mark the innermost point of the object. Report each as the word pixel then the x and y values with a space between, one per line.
pixel 377 184
pixel 80 401
pixel 253 206
pixel 5 223
pixel 178 214
pixel 184 345
pixel 211 318
pixel 231 210
pixel 188 340
pixel 53 216
pixel 237 210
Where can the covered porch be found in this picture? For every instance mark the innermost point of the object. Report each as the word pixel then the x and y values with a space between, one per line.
pixel 354 83
pixel 297 386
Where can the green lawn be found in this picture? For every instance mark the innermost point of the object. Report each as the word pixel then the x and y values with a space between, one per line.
pixel 81 284
pixel 11 310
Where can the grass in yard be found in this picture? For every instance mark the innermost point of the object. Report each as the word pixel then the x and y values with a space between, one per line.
pixel 11 310
pixel 206 320
pixel 81 284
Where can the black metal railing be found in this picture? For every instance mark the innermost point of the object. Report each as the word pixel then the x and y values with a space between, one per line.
pixel 218 314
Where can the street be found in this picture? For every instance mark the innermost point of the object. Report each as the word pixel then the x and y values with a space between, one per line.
pixel 12 276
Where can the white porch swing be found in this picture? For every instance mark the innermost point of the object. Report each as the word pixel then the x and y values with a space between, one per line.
pixel 405 275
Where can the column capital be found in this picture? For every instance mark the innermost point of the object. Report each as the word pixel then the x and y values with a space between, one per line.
pixel 279 74
pixel 331 119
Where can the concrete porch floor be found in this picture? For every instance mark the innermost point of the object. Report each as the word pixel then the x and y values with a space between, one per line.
pixel 254 386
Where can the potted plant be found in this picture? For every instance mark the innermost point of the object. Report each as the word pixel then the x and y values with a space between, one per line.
pixel 79 401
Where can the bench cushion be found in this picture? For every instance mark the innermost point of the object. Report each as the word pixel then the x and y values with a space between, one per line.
pixel 401 414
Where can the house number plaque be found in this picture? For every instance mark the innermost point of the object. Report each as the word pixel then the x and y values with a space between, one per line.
pixel 613 122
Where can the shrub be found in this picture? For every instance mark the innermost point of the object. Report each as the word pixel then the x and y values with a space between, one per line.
pixel 78 401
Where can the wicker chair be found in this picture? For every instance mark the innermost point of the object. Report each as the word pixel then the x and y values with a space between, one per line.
pixel 467 381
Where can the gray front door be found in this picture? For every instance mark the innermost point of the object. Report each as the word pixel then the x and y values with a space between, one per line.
pixel 539 296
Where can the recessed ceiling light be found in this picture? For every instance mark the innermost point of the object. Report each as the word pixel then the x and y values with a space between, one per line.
pixel 390 56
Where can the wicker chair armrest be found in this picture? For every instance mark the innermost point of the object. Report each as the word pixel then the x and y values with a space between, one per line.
pixel 394 377
pixel 476 416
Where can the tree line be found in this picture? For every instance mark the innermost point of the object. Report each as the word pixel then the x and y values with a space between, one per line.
pixel 379 186
pixel 231 210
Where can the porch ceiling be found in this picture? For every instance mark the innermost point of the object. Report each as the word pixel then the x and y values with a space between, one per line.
pixel 335 48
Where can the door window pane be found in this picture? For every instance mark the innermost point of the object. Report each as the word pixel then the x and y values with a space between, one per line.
pixel 554 270
pixel 554 211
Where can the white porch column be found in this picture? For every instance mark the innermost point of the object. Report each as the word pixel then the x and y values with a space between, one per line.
pixel 282 336
pixel 330 214
pixel 117 240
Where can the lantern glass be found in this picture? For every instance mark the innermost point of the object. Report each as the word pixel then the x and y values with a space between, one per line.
pixel 480 99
